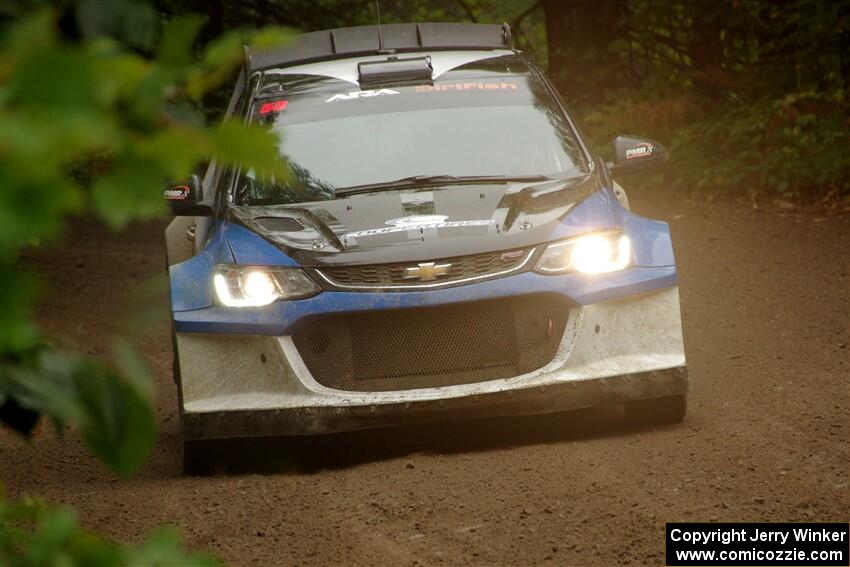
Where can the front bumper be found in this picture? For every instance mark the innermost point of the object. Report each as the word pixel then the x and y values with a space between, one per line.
pixel 613 351
pixel 563 396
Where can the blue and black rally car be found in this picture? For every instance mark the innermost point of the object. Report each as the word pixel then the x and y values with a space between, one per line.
pixel 446 247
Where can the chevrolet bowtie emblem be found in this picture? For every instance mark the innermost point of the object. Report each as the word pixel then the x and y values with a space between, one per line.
pixel 427 271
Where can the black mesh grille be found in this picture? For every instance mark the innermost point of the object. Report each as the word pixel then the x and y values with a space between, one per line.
pixel 435 346
pixel 462 267
pixel 279 224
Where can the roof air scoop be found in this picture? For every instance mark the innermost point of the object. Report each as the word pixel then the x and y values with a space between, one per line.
pixel 394 70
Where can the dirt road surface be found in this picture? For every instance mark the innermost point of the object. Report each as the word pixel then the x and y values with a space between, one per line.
pixel 766 307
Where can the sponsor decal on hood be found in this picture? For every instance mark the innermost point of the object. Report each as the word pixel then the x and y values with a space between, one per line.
pixel 417 222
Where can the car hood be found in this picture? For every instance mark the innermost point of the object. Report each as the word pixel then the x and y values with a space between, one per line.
pixel 420 223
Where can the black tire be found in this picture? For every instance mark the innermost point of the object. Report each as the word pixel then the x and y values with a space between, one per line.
pixel 200 458
pixel 175 367
pixel 657 411
pixel 175 357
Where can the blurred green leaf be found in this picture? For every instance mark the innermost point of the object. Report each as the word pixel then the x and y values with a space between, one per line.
pixel 118 423
pixel 120 75
pixel 104 129
pixel 94 120
pixel 271 37
pixel 224 51
pixel 131 22
pixel 126 191
pixel 236 143
pixel 176 150
pixel 69 82
pixel 163 548
pixel 36 32
pixel 18 290
pixel 132 367
pixel 46 384
pixel 113 412
pixel 33 534
pixel 175 46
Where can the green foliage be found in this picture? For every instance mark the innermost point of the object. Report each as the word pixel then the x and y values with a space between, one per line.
pixel 97 124
pixel 788 146
pixel 793 146
pixel 707 78
pixel 100 124
pixel 33 534
pixel 113 413
pixel 751 97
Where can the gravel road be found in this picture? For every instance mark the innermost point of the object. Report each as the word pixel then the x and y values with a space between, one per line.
pixel 766 307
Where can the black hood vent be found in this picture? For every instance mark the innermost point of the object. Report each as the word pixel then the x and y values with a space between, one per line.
pixel 279 224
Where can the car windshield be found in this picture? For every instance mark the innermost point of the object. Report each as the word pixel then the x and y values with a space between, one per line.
pixel 339 136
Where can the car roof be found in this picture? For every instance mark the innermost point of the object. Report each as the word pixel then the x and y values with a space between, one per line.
pixel 327 45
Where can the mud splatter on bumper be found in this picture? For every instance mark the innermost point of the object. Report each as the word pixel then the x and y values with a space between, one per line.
pixel 611 352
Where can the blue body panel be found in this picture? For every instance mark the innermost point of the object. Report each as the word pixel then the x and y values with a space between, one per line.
pixel 597 212
pixel 651 242
pixel 194 312
pixel 278 318
pixel 251 249
pixel 191 281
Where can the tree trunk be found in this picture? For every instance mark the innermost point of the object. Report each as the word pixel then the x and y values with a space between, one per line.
pixel 844 46
pixel 580 35
pixel 555 14
pixel 706 51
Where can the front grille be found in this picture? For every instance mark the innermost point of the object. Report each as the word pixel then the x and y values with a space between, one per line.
pixel 462 267
pixel 433 346
pixel 279 224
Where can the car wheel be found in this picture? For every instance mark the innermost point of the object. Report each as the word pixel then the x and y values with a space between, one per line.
pixel 200 458
pixel 657 411
pixel 175 365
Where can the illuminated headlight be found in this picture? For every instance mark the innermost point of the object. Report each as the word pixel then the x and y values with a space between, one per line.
pixel 595 253
pixel 254 286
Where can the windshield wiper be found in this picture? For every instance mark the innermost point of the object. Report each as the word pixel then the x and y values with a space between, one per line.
pixel 426 180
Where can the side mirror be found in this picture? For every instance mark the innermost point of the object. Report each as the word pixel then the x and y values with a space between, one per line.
pixel 633 154
pixel 185 198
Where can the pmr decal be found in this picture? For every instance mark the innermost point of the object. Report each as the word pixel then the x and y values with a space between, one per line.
pixel 640 150
pixel 361 94
pixel 178 193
